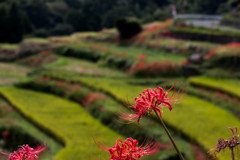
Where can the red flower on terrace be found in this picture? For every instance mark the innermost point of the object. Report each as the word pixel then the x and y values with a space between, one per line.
pixel 152 99
pixel 141 57
pixel 24 153
pixel 128 149
pixel 5 133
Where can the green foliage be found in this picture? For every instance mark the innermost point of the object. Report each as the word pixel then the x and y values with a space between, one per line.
pixel 196 6
pixel 16 23
pixel 61 29
pixel 122 63
pixel 76 20
pixel 74 127
pixel 38 13
pixel 127 28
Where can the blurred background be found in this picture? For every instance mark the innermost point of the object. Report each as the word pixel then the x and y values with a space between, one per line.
pixel 68 67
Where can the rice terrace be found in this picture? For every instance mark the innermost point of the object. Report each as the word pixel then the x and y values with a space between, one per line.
pixel 119 80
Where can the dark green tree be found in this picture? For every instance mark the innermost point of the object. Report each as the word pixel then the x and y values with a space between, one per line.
pixel 39 14
pixel 73 3
pixel 4 23
pixel 110 17
pixel 75 19
pixel 16 23
pixel 127 28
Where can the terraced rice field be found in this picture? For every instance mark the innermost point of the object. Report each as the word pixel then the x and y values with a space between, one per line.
pixel 195 112
pixel 69 94
pixel 229 86
pixel 10 73
pixel 65 120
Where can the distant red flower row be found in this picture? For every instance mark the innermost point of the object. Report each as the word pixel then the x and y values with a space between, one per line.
pixel 154 68
pixel 228 47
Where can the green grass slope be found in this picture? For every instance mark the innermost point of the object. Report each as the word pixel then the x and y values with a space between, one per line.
pixel 228 86
pixel 84 67
pixel 10 73
pixel 65 120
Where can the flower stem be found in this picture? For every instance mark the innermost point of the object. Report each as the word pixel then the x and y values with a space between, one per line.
pixel 233 156
pixel 170 137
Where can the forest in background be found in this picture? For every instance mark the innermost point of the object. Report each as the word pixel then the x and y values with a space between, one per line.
pixel 44 18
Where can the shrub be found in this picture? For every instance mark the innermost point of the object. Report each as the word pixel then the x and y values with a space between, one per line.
pixel 80 52
pixel 122 63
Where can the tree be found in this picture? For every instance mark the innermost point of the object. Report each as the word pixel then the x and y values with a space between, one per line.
pixel 39 14
pixel 4 23
pixel 75 19
pixel 73 3
pixel 127 28
pixel 16 23
pixel 110 17
pixel 61 29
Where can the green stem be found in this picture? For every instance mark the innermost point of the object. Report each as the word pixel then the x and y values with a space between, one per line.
pixel 233 156
pixel 170 137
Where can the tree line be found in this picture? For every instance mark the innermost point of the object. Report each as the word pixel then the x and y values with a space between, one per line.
pixel 60 17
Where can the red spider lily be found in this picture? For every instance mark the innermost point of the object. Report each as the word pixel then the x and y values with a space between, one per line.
pixel 92 97
pixel 24 153
pixel 141 57
pixel 230 142
pixel 198 153
pixel 5 133
pixel 152 99
pixel 128 149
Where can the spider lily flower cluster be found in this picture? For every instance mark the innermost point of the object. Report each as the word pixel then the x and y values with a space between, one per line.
pixel 128 150
pixel 149 100
pixel 230 142
pixel 23 153
pixel 152 99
